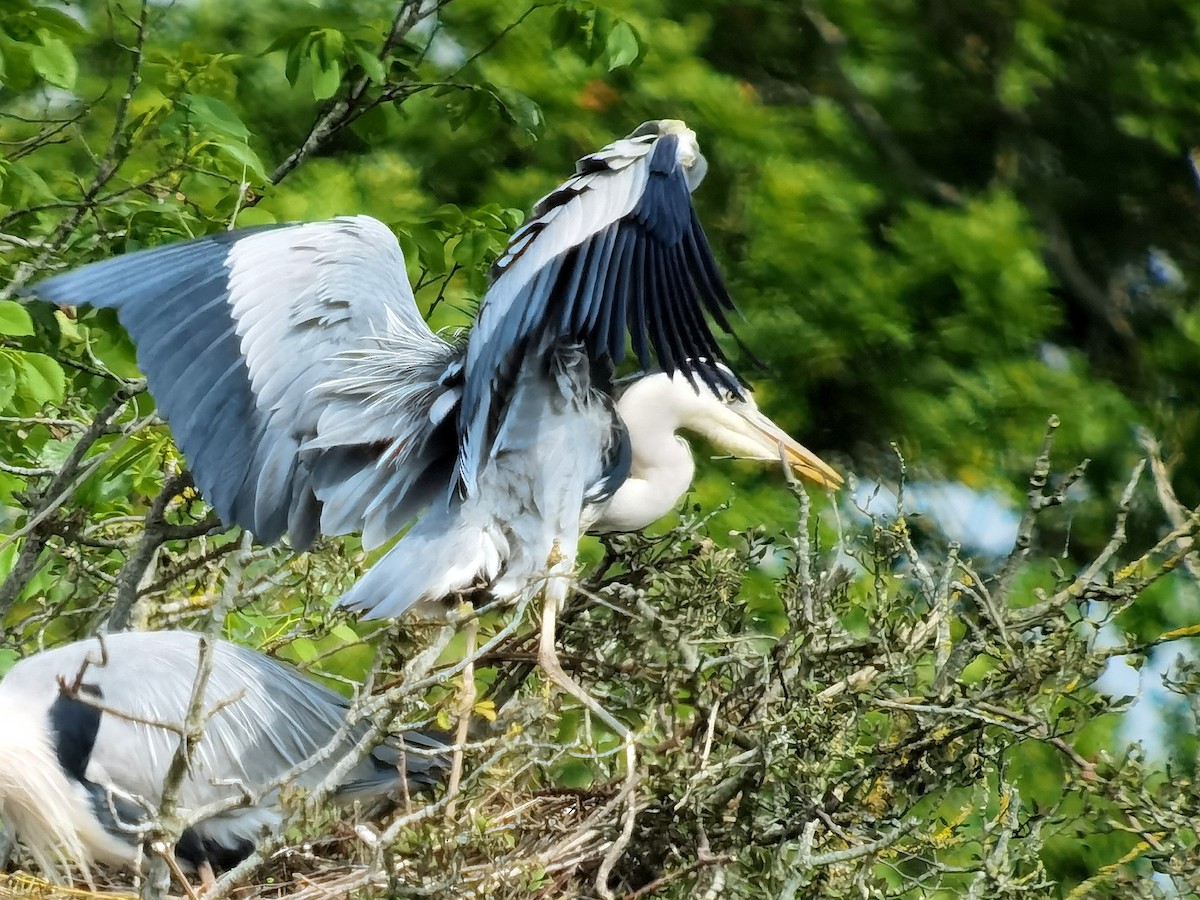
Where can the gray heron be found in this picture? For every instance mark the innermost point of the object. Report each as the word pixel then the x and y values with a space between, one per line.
pixel 82 772
pixel 309 395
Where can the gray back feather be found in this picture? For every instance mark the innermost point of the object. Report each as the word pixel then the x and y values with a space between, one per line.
pixel 554 444
pixel 271 717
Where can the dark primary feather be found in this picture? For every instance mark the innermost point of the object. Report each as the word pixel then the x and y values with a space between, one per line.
pixel 308 394
pixel 617 250
pixel 618 461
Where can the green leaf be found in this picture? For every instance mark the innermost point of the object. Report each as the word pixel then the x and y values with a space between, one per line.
pixel 519 109
pixel 291 38
pixel 472 249
pixel 295 56
pixel 209 114
pixel 326 75
pixel 255 215
pixel 14 319
pixel 461 106
pixel 371 64
pixel 242 153
pixel 345 633
pixel 8 382
pixel 447 215
pixel 565 26
pixel 54 61
pixel 623 46
pixel 305 649
pixel 58 22
pixel 595 26
pixel 431 248
pixel 329 44
pixel 42 379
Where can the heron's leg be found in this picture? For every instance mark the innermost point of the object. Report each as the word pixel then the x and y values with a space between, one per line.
pixel 466 705
pixel 555 592
pixel 207 877
pixel 557 587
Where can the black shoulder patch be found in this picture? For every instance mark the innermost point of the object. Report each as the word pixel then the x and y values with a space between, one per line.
pixel 74 725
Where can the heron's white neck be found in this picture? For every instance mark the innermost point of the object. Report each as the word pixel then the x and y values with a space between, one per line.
pixel 662 468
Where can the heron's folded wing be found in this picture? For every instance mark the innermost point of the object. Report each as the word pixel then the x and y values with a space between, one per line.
pixel 268 718
pixel 241 333
pixel 617 250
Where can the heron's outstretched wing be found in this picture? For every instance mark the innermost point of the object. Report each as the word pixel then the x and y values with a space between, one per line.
pixel 256 344
pixel 615 250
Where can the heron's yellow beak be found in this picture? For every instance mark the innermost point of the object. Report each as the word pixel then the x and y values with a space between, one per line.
pixel 772 442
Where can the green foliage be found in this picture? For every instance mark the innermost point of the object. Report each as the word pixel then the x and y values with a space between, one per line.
pixel 944 223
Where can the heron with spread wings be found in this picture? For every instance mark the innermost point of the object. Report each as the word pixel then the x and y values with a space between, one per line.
pixel 309 396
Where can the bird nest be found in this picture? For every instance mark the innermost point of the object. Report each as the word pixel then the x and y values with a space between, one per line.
pixel 23 885
pixel 516 845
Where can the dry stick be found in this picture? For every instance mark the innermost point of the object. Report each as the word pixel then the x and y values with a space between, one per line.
pixel 662 881
pixel 1117 541
pixel 1085 581
pixel 936 624
pixel 84 472
pixel 999 853
pixel 171 823
pixel 418 669
pixel 554 595
pixel 805 860
pixel 114 156
pixel 1036 502
pixel 156 532
pixel 1175 510
pixel 417 679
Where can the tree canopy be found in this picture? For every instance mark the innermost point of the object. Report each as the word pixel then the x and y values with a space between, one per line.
pixel 945 225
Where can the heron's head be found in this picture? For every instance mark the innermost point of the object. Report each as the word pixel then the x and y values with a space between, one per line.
pixel 735 426
pixel 695 166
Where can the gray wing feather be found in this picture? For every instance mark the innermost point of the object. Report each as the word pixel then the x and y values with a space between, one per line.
pixel 245 338
pixel 551 448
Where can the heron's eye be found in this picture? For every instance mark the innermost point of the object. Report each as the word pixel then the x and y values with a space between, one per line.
pixel 729 398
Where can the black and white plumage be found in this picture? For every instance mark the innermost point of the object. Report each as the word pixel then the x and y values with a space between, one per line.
pixel 76 783
pixel 309 396
pixel 616 249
